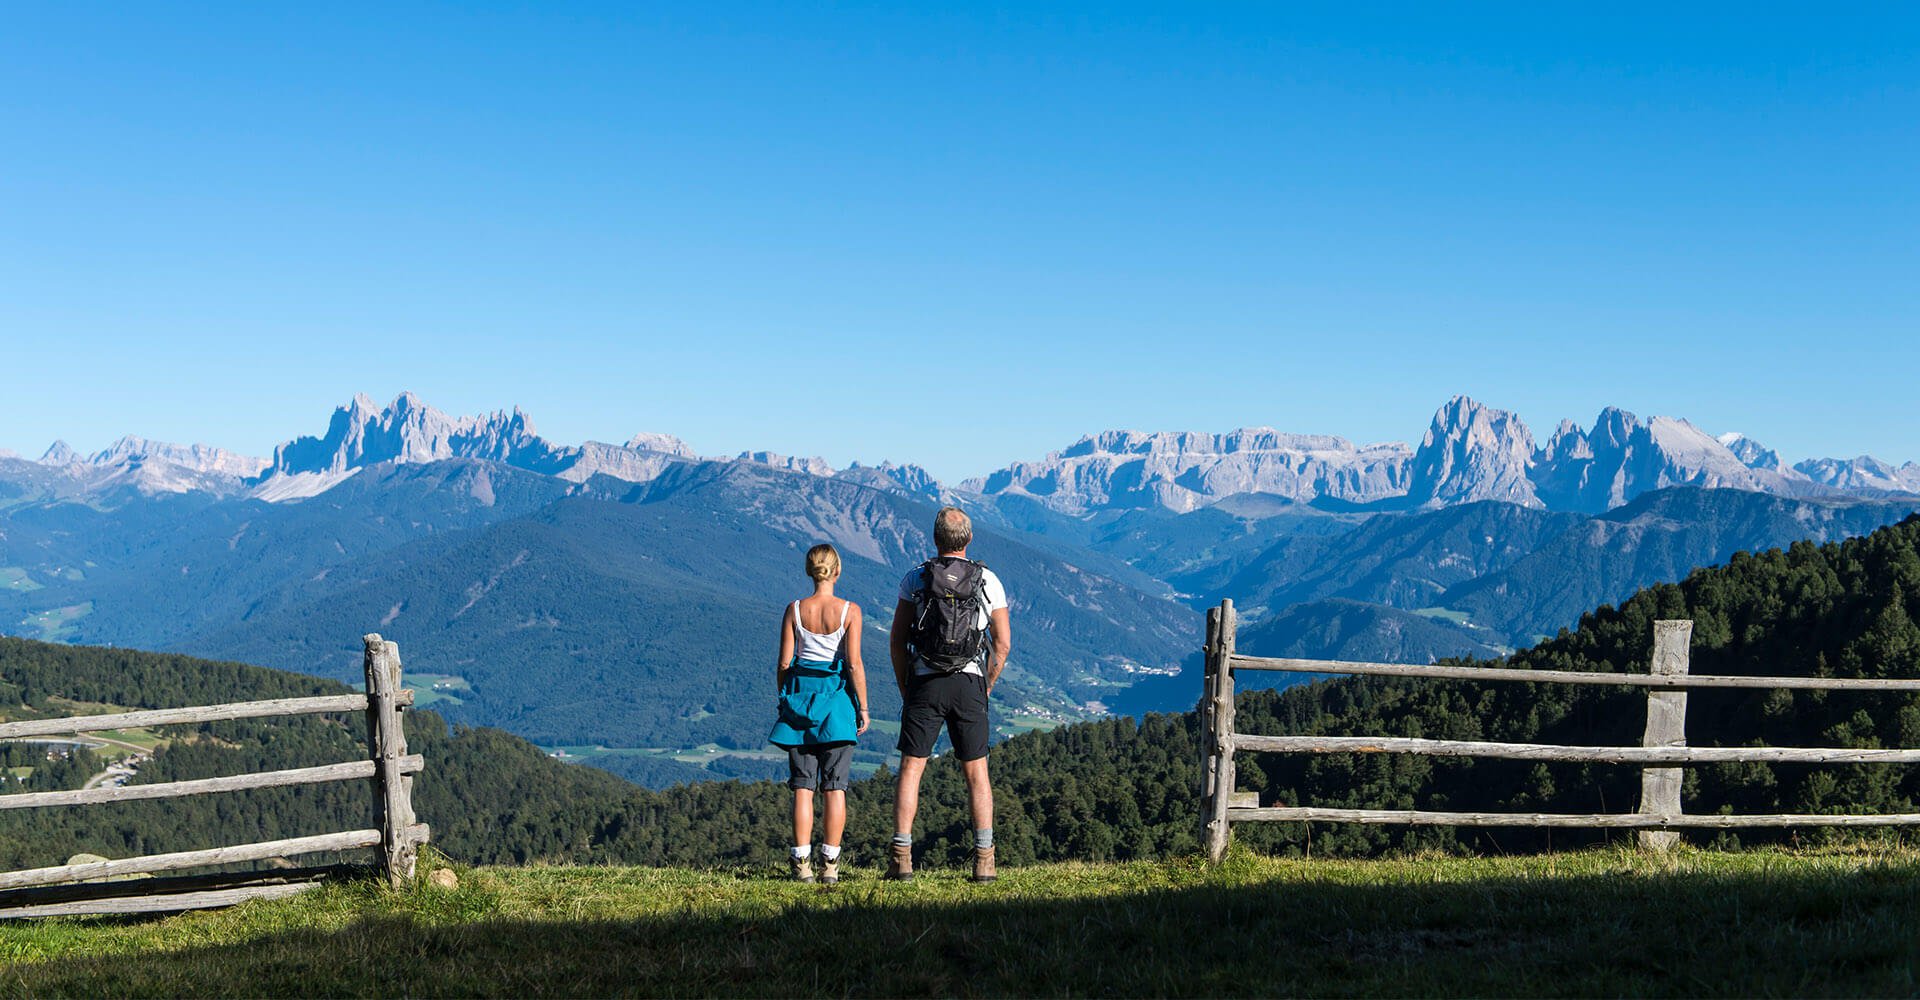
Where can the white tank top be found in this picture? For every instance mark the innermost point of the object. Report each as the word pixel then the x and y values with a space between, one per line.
pixel 814 645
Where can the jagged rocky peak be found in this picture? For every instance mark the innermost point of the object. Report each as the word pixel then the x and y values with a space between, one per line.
pixel 812 465
pixel 1624 456
pixel 1183 470
pixel 665 444
pixel 1176 443
pixel 1862 473
pixel 361 434
pixel 409 430
pixel 1473 452
pixel 59 453
pixel 194 457
pixel 1751 453
pixel 908 480
pixel 1569 443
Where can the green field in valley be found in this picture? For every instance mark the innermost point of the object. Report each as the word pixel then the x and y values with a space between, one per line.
pixel 56 624
pixel 429 689
pixel 1591 923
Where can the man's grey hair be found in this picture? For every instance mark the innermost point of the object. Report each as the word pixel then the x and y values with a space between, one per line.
pixel 952 529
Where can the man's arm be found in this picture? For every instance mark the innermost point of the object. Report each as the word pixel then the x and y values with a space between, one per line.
pixel 1002 646
pixel 897 644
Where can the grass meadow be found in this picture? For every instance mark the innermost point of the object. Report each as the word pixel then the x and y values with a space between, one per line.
pixel 1608 922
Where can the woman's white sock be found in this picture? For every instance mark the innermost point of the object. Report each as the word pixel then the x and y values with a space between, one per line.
pixel 803 852
pixel 831 852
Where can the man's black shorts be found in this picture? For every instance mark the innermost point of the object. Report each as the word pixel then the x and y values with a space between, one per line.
pixel 959 701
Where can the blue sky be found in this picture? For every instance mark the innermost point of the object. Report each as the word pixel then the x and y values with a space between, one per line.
pixel 960 237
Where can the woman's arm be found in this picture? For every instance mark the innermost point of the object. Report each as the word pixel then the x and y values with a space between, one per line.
pixel 856 670
pixel 786 649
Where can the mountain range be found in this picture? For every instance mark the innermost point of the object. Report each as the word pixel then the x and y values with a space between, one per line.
pixel 1471 452
pixel 622 595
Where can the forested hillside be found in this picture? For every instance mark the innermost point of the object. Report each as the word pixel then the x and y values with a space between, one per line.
pixel 1844 609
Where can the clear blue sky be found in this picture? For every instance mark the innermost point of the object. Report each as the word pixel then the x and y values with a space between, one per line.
pixel 960 237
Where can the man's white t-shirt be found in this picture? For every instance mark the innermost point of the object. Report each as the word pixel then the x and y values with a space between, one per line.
pixel 994 598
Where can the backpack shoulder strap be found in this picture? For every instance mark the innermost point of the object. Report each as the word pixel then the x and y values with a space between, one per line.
pixel 979 579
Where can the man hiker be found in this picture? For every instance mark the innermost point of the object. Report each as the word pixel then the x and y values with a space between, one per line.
pixel 949 642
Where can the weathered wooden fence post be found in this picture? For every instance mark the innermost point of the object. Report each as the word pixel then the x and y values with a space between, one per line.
pixel 1209 764
pixel 1220 714
pixel 1666 727
pixel 400 836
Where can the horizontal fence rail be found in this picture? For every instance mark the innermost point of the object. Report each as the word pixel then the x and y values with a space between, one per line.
pixel 1662 754
pixel 88 871
pixel 187 716
pixel 349 771
pixel 1601 677
pixel 1554 751
pixel 1631 821
pixel 78 888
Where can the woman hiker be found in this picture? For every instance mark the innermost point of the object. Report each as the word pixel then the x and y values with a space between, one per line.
pixel 819 662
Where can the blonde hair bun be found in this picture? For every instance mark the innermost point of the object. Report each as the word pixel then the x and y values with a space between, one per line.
pixel 823 562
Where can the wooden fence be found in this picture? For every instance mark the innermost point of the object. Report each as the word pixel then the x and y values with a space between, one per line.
pixel 103 886
pixel 1662 754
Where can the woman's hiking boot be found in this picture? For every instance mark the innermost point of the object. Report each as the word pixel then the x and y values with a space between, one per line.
pixel 829 871
pixel 899 862
pixel 802 869
pixel 983 865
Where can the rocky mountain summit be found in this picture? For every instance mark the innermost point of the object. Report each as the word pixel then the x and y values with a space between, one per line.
pixel 1865 473
pixel 1184 471
pixel 1471 452
pixel 152 467
pixel 1622 457
pixel 408 431
pixel 1753 454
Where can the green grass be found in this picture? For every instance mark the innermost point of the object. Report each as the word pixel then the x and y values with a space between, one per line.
pixel 1592 923
pixel 121 742
pixel 1017 724
pixel 1443 614
pixel 145 739
pixel 17 580
pixel 56 624
pixel 431 689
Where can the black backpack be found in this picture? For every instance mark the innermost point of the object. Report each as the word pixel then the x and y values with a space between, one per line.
pixel 946 633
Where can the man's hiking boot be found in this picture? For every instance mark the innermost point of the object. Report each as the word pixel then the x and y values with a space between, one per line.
pixel 899 862
pixel 802 869
pixel 829 871
pixel 983 865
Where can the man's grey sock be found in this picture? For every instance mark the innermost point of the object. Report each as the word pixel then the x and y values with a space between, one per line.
pixel 904 840
pixel 983 838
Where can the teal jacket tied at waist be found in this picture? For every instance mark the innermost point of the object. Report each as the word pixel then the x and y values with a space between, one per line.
pixel 815 708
